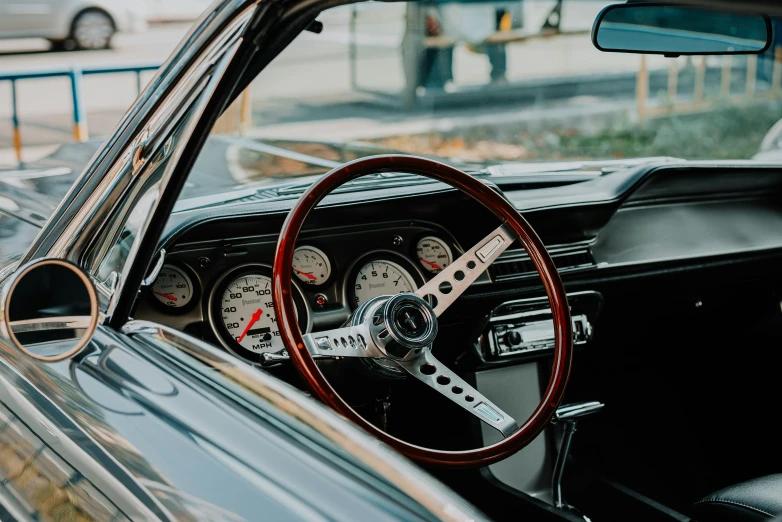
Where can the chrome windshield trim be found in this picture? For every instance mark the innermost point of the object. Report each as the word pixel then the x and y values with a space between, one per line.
pixel 99 210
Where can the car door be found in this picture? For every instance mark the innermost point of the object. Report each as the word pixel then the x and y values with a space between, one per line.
pixel 176 10
pixel 22 18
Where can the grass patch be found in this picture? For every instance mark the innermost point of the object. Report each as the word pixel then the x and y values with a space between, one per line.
pixel 723 132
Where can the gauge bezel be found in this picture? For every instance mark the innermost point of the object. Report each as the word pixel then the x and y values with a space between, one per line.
pixel 430 237
pixel 225 339
pixel 194 282
pixel 349 283
pixel 328 267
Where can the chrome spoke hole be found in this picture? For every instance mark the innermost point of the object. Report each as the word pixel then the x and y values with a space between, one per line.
pixel 362 342
pixel 445 287
pixel 457 390
pixel 471 265
pixel 383 334
pixel 428 369
pixel 431 299
pixel 443 379
pixel 469 398
pixel 458 275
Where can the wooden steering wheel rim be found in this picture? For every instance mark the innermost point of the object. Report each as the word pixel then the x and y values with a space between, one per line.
pixel 500 207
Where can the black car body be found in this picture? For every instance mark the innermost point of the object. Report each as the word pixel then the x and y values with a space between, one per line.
pixel 160 417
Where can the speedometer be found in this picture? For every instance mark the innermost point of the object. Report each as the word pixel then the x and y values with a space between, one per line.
pixel 241 312
pixel 247 314
pixel 381 278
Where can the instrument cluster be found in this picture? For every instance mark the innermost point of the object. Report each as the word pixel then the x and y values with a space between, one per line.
pixel 333 273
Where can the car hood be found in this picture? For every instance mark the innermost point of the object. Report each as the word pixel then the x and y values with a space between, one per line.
pixel 224 164
pixel 30 194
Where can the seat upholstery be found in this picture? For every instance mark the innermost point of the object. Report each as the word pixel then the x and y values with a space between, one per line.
pixel 759 499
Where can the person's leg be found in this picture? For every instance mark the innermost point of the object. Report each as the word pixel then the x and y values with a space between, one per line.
pixel 498 60
pixel 496 52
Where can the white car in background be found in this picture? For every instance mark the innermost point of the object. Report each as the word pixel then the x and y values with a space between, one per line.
pixel 175 10
pixel 72 24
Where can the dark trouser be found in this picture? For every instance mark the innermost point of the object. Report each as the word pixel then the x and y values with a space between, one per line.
pixel 437 67
pixel 498 60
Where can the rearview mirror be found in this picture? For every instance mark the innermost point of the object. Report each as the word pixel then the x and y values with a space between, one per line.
pixel 675 30
pixel 49 310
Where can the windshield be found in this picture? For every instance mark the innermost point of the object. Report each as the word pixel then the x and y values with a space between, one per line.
pixel 485 82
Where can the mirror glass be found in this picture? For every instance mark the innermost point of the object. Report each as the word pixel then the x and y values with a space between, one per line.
pixel 51 310
pixel 676 30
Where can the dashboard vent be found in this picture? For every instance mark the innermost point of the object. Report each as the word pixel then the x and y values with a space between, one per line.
pixel 515 263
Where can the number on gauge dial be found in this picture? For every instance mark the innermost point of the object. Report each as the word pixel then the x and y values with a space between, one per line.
pixel 382 278
pixel 172 287
pixel 248 315
pixel 433 254
pixel 311 265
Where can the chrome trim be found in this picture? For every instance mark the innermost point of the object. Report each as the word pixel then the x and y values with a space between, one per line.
pixel 8 332
pixel 463 394
pixel 159 264
pixel 47 323
pixel 452 281
pixel 283 397
pixel 98 210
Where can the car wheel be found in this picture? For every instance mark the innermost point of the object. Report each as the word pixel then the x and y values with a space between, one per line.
pixel 92 30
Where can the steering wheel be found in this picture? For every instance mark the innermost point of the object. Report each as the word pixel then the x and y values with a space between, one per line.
pixel 400 329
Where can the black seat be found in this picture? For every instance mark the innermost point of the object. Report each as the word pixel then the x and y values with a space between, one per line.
pixel 759 499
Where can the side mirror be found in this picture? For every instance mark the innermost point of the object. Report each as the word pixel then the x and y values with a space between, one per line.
pixel 49 310
pixel 674 30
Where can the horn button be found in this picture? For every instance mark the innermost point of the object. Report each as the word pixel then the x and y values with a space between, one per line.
pixel 408 326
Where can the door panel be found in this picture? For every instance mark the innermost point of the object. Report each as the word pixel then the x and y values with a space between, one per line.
pixel 27 17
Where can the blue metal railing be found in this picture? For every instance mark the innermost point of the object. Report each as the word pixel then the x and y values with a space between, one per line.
pixel 75 74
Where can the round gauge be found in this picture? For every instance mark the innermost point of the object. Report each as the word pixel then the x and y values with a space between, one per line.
pixel 311 265
pixel 382 278
pixel 433 254
pixel 247 314
pixel 173 287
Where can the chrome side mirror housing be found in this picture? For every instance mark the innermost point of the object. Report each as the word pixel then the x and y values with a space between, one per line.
pixel 48 310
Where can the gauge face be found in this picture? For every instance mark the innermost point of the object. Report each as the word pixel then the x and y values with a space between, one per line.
pixel 433 254
pixel 247 314
pixel 382 278
pixel 173 287
pixel 311 265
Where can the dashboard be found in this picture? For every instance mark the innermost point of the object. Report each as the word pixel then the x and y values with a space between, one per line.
pixel 215 281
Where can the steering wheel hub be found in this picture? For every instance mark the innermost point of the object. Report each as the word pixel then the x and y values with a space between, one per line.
pixel 409 325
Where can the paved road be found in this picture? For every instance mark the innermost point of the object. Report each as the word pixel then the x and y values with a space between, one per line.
pixel 313 73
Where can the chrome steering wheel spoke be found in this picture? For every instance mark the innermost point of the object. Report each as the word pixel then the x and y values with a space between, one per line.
pixel 448 285
pixel 348 341
pixel 427 369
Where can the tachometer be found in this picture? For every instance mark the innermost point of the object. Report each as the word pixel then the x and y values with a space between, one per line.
pixel 247 314
pixel 434 254
pixel 172 287
pixel 382 278
pixel 311 265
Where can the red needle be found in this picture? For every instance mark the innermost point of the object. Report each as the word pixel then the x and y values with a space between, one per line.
pixel 305 274
pixel 254 319
pixel 433 265
pixel 167 296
